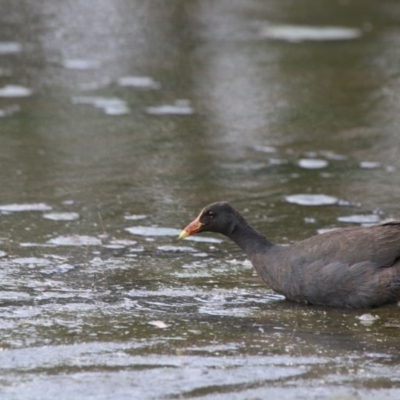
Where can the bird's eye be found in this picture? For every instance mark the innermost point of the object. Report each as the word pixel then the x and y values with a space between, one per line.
pixel 210 214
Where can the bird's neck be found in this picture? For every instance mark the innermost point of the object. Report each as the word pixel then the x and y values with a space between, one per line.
pixel 249 239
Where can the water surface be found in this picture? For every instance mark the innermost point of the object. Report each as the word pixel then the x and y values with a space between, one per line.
pixel 118 122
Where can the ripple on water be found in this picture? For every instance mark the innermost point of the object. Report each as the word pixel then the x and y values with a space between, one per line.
pixel 311 199
pixel 299 33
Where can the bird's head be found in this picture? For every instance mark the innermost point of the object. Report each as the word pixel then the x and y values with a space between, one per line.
pixel 216 217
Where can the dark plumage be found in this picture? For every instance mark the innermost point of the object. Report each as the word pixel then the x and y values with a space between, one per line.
pixel 353 267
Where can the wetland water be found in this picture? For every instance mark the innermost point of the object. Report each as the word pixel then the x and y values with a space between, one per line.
pixel 119 121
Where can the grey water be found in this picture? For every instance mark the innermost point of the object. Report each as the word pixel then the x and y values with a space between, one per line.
pixel 119 121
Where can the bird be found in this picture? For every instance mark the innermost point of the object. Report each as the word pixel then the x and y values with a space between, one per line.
pixel 353 267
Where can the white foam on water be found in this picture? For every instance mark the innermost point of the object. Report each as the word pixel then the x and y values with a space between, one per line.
pixel 370 164
pixel 265 149
pixel 325 230
pixel 32 261
pixel 15 91
pixel 10 110
pixel 62 216
pixel 10 47
pixel 75 240
pixel 360 219
pixel 5 72
pixel 334 156
pixel 158 324
pixel 177 249
pixel 312 163
pixel 311 199
pixel 136 249
pixel 152 231
pixel 310 220
pixel 81 64
pixel 368 319
pixel 143 82
pixel 135 217
pixel 276 161
pixel 25 207
pixel 110 105
pixel 59 269
pixel 205 239
pixel 180 107
pixel 123 242
pixel 95 85
pixel 300 33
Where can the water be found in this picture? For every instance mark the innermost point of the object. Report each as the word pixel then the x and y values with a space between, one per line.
pixel 119 122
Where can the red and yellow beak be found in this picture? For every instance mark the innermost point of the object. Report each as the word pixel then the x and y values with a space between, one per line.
pixel 191 229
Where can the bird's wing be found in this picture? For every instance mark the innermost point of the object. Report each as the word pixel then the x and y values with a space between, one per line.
pixel 378 244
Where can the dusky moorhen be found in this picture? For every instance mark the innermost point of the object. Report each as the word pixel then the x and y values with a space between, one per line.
pixel 354 267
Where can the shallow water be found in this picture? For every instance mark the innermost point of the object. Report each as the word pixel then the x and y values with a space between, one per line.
pixel 118 123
